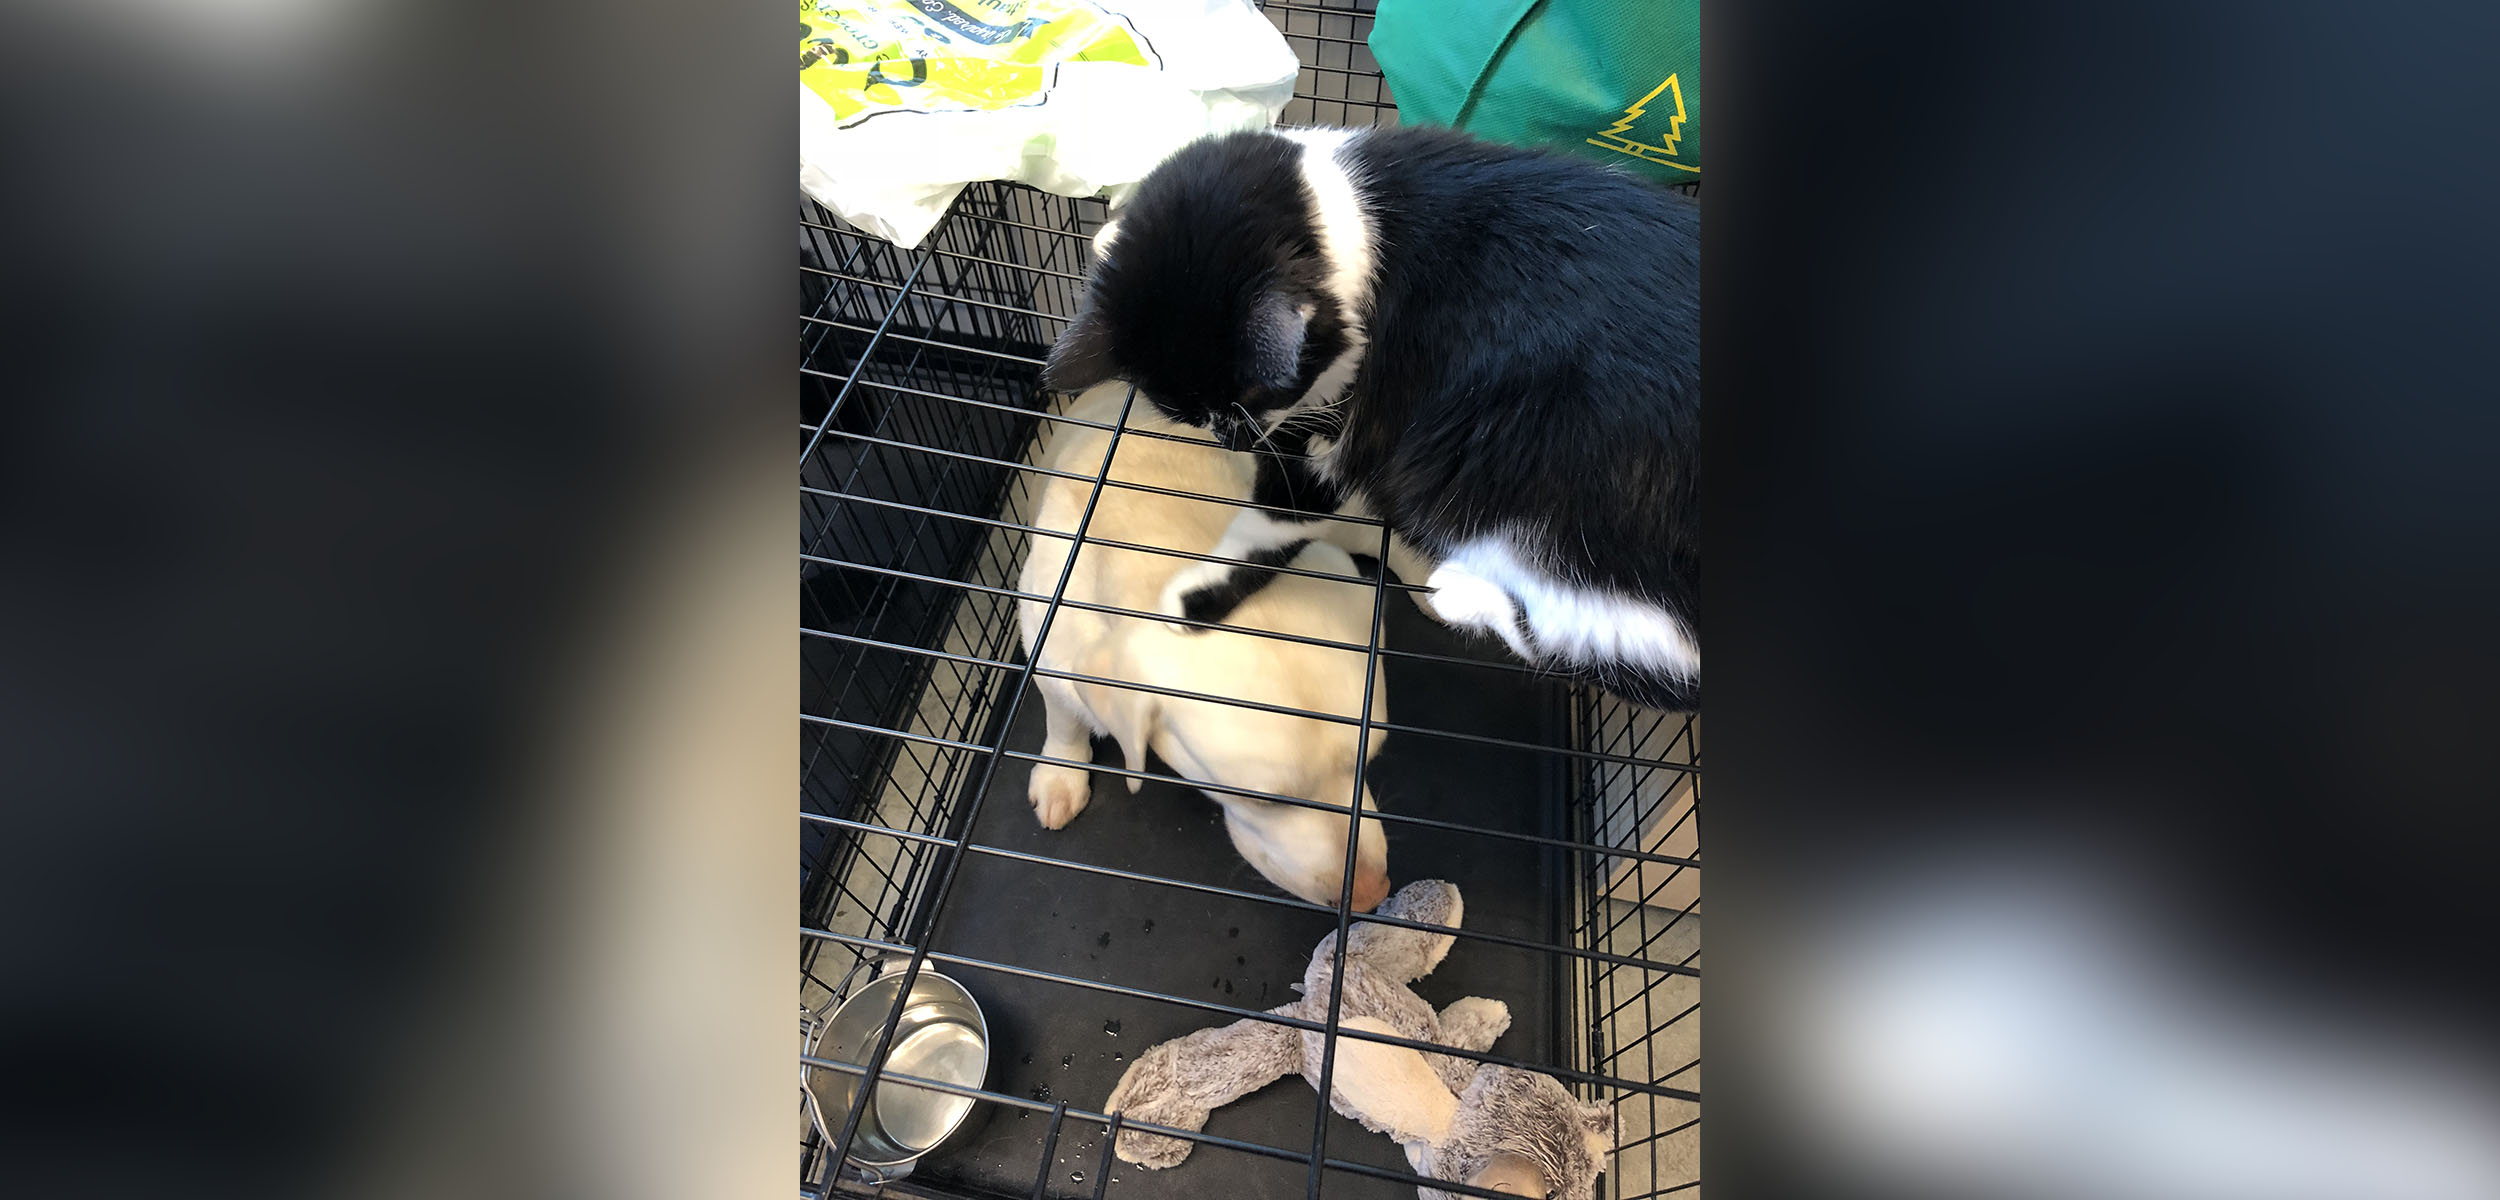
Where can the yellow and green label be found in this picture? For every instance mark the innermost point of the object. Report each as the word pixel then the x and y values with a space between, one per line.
pixel 869 57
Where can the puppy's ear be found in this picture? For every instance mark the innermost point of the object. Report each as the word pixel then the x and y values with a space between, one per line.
pixel 1274 340
pixel 1081 357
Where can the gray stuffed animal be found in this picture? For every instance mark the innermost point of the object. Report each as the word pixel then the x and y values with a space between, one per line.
pixel 1506 1130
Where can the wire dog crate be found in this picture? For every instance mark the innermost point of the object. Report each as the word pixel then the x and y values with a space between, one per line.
pixel 1569 818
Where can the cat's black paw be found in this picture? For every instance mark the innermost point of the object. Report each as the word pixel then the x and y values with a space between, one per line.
pixel 1192 592
pixel 1213 603
pixel 1210 591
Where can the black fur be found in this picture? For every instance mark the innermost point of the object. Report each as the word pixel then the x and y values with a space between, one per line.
pixel 1218 602
pixel 1533 360
pixel 1285 478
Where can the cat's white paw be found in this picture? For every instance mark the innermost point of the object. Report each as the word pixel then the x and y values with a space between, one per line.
pixel 1413 568
pixel 1462 598
pixel 1423 600
pixel 1191 578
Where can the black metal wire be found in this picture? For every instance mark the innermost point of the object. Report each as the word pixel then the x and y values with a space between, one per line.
pixel 1345 894
pixel 1050 1144
pixel 1210 889
pixel 1481 739
pixel 1271 797
pixel 874 336
pixel 990 304
pixel 1118 483
pixel 1113 543
pixel 1113 1123
pixel 1484 739
pixel 1318 9
pixel 1102 1168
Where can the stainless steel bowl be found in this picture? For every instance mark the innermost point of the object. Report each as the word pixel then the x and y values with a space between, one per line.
pixel 942 1036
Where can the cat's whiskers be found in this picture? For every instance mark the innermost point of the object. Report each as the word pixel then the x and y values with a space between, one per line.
pixel 1264 435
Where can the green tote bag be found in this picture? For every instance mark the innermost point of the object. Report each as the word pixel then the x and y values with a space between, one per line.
pixel 1616 80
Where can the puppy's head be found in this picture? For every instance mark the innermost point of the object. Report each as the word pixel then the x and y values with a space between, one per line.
pixel 1302 850
pixel 1209 292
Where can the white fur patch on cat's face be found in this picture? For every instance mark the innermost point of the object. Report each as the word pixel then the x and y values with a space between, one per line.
pixel 1323 459
pixel 1345 233
pixel 1345 238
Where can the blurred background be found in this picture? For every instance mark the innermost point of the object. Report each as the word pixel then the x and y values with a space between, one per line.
pixel 395 483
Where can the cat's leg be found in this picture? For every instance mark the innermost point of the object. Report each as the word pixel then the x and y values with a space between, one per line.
pixel 1357 535
pixel 1258 541
pixel 1634 648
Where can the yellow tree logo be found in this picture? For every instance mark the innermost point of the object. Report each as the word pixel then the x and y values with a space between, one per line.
pixel 1650 136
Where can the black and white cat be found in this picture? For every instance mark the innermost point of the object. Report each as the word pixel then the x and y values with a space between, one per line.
pixel 1496 350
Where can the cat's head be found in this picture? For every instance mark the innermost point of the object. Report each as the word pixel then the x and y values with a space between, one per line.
pixel 1210 290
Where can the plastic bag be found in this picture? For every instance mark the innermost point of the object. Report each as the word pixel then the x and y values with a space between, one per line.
pixel 1614 80
pixel 903 102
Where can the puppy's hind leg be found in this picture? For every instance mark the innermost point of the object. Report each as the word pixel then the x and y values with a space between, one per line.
pixel 1060 793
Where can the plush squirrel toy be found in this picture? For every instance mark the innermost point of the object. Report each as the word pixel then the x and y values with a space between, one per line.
pixel 1511 1131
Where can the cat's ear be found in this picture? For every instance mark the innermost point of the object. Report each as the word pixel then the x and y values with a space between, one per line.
pixel 1277 327
pixel 1081 357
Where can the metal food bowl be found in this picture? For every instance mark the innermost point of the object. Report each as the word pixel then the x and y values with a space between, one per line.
pixel 942 1036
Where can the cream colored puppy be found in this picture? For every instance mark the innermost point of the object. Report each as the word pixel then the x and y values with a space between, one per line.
pixel 1301 850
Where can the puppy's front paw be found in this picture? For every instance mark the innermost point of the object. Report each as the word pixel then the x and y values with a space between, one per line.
pixel 1191 593
pixel 1058 794
pixel 1462 597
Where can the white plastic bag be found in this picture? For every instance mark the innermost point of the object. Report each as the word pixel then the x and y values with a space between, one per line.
pixel 903 102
